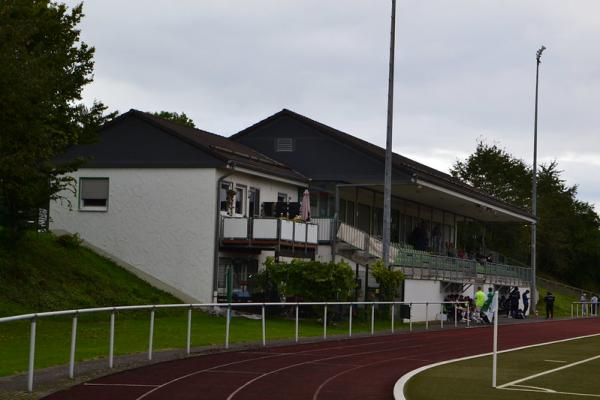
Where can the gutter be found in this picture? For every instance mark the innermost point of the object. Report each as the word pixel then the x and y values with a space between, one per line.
pixel 231 166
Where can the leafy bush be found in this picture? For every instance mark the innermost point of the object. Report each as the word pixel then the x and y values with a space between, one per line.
pixel 70 241
pixel 389 280
pixel 311 280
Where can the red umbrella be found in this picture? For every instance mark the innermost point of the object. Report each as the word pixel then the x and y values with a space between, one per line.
pixel 305 206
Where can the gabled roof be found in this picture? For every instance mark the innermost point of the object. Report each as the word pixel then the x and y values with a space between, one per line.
pixel 419 171
pixel 198 148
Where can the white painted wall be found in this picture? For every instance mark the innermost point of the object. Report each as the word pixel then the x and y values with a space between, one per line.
pixel 422 291
pixel 161 221
pixel 269 188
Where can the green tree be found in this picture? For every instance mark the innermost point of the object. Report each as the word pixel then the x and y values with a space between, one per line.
pixel 43 69
pixel 568 229
pixel 389 281
pixel 179 118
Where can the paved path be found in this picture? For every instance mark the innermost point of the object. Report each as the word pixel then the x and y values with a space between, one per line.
pixel 364 368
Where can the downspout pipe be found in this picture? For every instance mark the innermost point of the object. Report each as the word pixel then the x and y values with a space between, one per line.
pixel 231 167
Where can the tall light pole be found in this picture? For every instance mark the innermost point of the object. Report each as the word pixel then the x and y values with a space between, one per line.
pixel 538 57
pixel 387 184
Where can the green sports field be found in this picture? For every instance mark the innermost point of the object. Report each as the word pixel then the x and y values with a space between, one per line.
pixel 560 371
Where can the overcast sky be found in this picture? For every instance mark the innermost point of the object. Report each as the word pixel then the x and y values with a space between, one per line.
pixel 465 70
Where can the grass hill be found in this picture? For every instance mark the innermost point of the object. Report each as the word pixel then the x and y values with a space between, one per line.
pixel 44 273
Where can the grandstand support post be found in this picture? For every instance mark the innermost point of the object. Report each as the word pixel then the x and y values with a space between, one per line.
pixel 73 345
pixel 456 314
pixel 410 306
pixel 350 321
pixel 31 355
pixel 393 312
pixel 151 335
pixel 495 350
pixel 227 323
pixel 325 321
pixel 263 323
pixel 372 319
pixel 111 340
pixel 297 322
pixel 188 342
pixel 426 315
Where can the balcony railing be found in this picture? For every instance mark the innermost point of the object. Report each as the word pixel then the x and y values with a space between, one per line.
pixel 424 265
pixel 261 231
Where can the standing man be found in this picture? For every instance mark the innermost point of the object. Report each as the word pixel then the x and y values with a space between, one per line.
pixel 525 303
pixel 584 305
pixel 515 297
pixel 549 300
pixel 594 300
pixel 479 301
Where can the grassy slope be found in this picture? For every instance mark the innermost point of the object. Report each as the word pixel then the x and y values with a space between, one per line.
pixel 38 274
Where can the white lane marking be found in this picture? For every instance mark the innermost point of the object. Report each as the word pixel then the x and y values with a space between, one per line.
pixel 550 371
pixel 541 389
pixel 118 384
pixel 201 371
pixel 552 392
pixel 242 387
pixel 400 383
pixel 556 361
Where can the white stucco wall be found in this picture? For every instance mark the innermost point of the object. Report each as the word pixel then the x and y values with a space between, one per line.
pixel 161 221
pixel 422 291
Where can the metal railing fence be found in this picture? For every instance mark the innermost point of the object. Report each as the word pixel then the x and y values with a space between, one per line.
pixel 583 309
pixel 438 309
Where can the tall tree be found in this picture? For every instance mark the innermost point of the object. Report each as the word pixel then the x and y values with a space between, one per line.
pixel 43 69
pixel 568 229
pixel 179 118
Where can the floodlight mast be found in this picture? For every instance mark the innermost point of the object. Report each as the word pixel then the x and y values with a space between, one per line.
pixel 534 293
pixel 387 183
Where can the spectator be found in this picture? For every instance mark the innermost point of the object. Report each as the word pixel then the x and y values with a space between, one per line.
pixel 479 301
pixel 594 300
pixel 515 297
pixel 525 303
pixel 584 305
pixel 549 300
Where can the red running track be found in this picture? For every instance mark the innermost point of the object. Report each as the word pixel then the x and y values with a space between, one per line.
pixel 364 368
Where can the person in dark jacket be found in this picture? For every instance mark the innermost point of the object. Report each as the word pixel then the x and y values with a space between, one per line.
pixel 549 300
pixel 525 302
pixel 515 297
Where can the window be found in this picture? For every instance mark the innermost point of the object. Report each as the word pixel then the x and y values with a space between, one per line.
pixel 225 187
pixel 282 197
pixel 254 202
pixel 284 145
pixel 240 196
pixel 93 194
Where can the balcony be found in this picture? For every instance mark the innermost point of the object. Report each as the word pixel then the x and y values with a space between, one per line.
pixel 268 233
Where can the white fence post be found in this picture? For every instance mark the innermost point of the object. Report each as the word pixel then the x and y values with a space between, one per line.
pixel 111 340
pixel 372 319
pixel 456 314
pixel 393 312
pixel 410 317
pixel 31 355
pixel 227 322
pixel 297 322
pixel 442 315
pixel 350 321
pixel 325 322
pixel 426 315
pixel 188 342
pixel 73 344
pixel 264 330
pixel 151 335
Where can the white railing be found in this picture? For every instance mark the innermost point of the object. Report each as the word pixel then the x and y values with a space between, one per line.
pixel 325 225
pixel 270 229
pixel 228 313
pixel 583 309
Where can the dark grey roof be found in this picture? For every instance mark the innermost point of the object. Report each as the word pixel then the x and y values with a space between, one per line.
pixel 139 139
pixel 321 168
